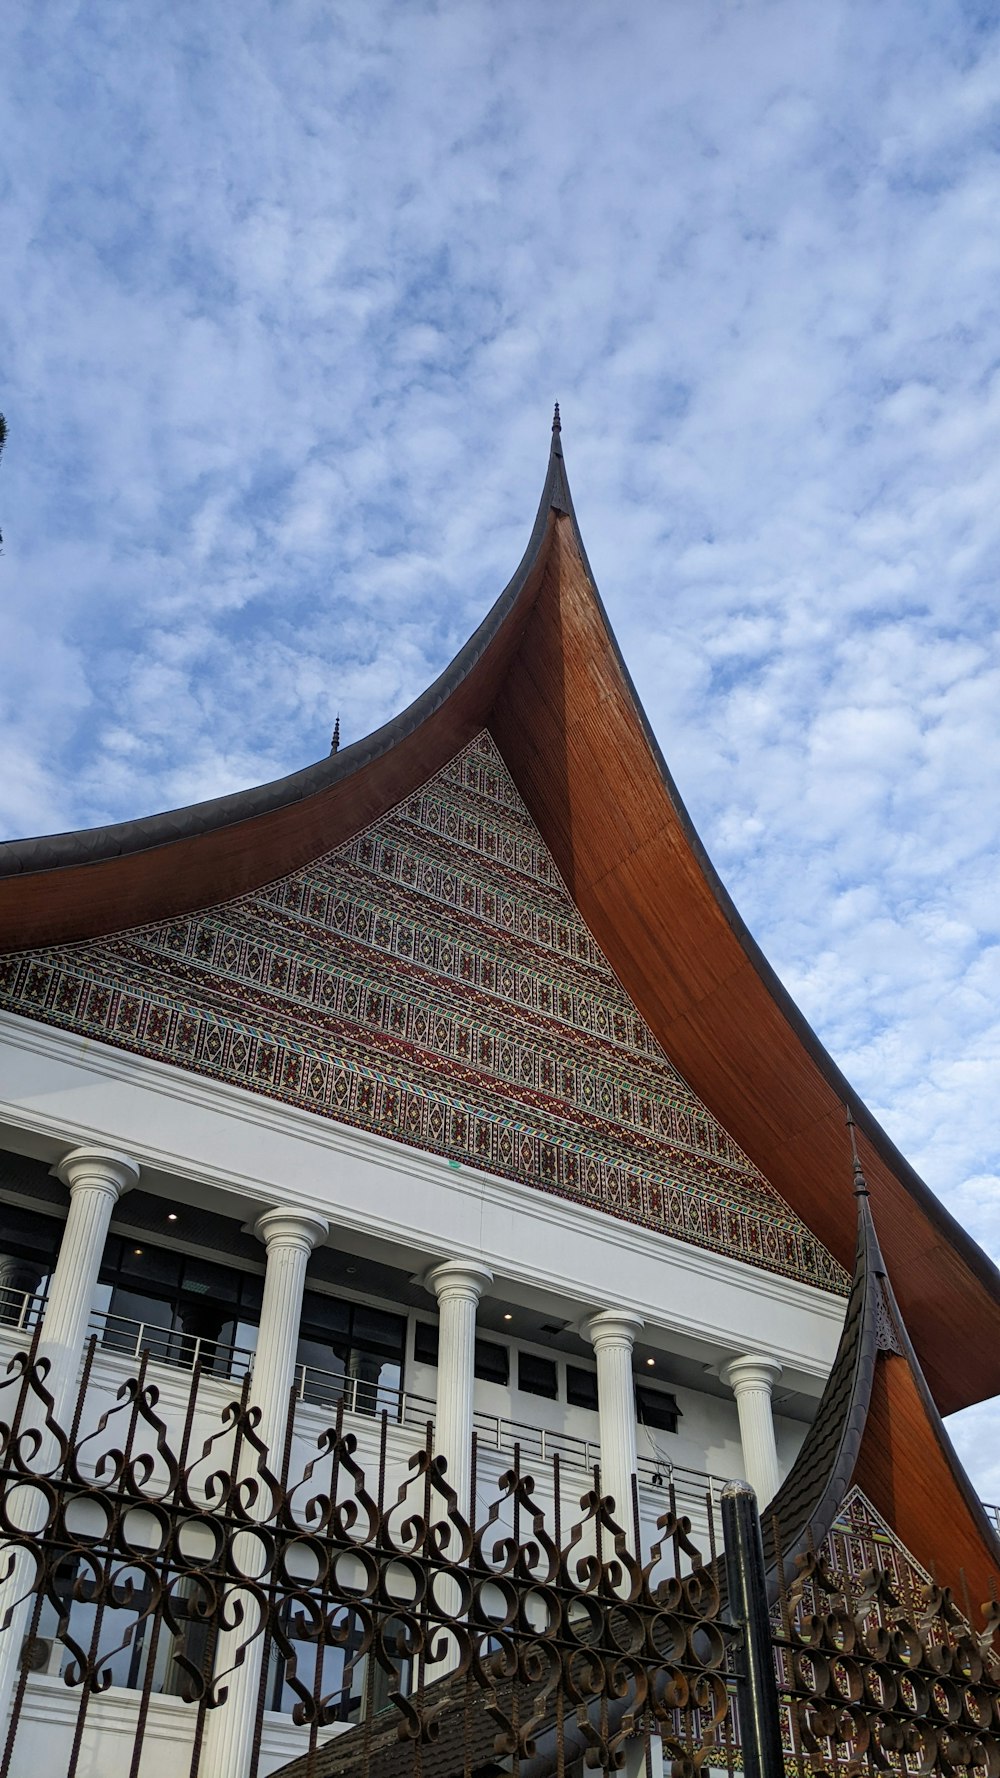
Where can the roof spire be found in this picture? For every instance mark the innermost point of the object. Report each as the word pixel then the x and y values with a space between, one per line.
pixel 557 485
pixel 860 1183
pixel 335 737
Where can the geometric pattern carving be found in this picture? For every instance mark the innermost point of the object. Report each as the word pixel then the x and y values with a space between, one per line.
pixel 433 981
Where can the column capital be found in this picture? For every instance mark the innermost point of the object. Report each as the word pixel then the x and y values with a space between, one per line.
pixel 97 1169
pixel 465 1279
pixel 286 1227
pixel 752 1371
pixel 612 1327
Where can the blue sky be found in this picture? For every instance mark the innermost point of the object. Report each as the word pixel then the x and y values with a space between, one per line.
pixel 286 294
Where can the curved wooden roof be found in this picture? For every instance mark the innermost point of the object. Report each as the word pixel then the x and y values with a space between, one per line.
pixel 544 674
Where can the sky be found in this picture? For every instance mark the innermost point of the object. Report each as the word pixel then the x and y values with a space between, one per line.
pixel 286 294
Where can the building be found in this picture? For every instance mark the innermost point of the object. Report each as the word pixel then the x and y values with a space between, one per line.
pixel 440 1082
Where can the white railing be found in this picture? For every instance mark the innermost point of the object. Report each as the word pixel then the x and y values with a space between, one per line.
pixel 129 1338
pixel 993 1514
pixel 327 1389
pixel 368 1399
pixel 537 1444
pixel 20 1310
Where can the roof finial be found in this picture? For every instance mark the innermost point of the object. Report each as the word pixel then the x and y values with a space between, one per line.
pixel 860 1183
pixel 556 422
pixel 335 738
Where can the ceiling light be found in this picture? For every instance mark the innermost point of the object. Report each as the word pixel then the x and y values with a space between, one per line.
pixel 508 1317
pixel 651 1361
pixel 137 1251
pixel 171 1216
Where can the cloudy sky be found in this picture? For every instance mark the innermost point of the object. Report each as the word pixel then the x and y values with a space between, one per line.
pixel 286 293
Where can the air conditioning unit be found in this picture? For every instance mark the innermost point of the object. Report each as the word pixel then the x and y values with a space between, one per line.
pixel 36 1653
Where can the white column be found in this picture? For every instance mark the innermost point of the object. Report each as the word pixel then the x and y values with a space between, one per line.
pixel 612 1334
pixel 636 1763
pixel 289 1237
pixel 458 1285
pixel 751 1380
pixel 96 1179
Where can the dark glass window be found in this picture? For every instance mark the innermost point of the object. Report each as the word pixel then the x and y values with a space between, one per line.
pixel 177 1306
pixel 492 1363
pixel 581 1387
pixel 656 1409
pixel 337 1674
pixel 29 1244
pixel 352 1352
pixel 537 1376
pixel 425 1342
pixel 130 1624
pixel 180 1307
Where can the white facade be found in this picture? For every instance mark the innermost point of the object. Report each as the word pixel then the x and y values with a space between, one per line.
pixel 744 1352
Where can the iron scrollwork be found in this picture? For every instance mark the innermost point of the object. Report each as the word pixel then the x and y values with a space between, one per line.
pixel 879 1668
pixel 367 1588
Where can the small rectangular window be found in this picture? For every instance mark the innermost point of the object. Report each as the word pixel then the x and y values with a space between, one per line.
pixel 656 1409
pixel 324 1316
pixel 375 1330
pixel 425 1342
pixel 492 1363
pixel 537 1376
pixel 581 1387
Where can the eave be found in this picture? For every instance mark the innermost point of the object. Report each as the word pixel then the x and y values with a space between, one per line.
pixel 544 674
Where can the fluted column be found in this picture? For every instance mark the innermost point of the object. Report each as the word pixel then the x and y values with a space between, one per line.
pixel 96 1179
pixel 458 1285
pixel 289 1237
pixel 612 1334
pixel 751 1379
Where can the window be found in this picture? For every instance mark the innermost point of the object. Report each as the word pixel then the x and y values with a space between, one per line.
pixel 581 1387
pixel 492 1363
pixel 29 1244
pixel 132 1632
pixel 537 1376
pixel 425 1342
pixel 177 1306
pixel 352 1352
pixel 656 1409
pixel 338 1674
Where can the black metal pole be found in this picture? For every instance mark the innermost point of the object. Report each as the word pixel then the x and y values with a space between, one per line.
pixel 756 1689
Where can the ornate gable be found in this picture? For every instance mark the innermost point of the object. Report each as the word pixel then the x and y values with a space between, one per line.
pixel 431 980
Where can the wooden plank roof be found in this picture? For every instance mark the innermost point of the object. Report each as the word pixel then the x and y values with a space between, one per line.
pixel 544 674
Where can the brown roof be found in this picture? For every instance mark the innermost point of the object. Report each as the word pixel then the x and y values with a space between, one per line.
pixel 544 674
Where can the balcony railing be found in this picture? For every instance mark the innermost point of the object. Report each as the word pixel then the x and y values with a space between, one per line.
pixel 21 1311
pixel 129 1338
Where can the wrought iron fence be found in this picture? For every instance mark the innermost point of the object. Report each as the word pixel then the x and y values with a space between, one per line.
pixel 150 1548
pixel 878 1667
pixel 145 1557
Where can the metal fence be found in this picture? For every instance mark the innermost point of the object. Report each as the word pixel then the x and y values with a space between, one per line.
pixel 377 1603
pixel 402 1640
